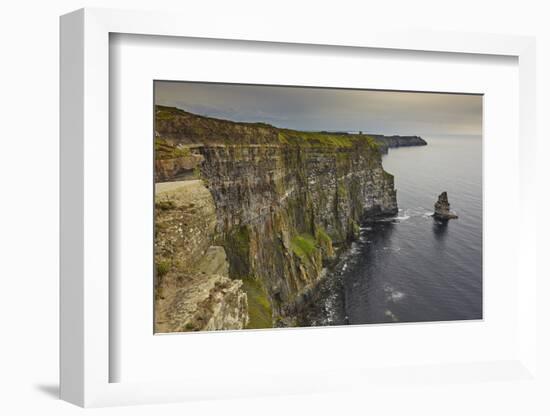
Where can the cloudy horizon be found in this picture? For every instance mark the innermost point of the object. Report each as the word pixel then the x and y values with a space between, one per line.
pixel 328 109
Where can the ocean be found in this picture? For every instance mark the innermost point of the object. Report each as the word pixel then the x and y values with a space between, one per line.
pixel 412 268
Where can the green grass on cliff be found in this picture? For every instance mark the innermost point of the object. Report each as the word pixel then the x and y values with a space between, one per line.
pixel 303 245
pixel 303 138
pixel 163 267
pixel 322 236
pixel 259 305
pixel 372 142
pixel 342 191
pixel 182 125
pixel 306 246
pixel 164 113
pixel 324 241
pixel 311 138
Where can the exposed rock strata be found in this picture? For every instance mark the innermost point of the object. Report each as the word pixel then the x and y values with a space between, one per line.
pixel 193 288
pixel 442 208
pixel 285 201
pixel 177 168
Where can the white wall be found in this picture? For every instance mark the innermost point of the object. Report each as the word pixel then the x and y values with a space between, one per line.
pixel 29 206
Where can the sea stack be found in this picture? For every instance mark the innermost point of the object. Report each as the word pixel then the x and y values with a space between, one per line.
pixel 442 209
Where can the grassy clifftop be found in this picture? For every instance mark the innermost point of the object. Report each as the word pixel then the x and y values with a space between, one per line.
pixel 177 128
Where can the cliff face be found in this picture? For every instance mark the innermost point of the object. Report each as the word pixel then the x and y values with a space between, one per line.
pixel 193 288
pixel 285 202
pixel 387 142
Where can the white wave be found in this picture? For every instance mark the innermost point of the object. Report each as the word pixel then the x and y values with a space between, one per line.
pixel 391 315
pixel 392 294
pixel 395 296
pixel 394 249
pixel 403 218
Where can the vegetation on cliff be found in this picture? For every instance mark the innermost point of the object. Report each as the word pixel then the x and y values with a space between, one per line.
pixel 259 305
pixel 285 202
pixel 179 126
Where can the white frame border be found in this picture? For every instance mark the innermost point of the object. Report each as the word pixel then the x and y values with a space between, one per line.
pixel 84 183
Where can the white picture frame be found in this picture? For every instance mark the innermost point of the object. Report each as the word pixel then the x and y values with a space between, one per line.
pixel 85 213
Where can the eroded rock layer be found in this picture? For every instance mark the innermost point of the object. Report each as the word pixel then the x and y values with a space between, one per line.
pixel 193 288
pixel 284 204
pixel 442 208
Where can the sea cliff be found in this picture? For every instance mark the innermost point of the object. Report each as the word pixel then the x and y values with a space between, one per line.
pixel 387 142
pixel 271 208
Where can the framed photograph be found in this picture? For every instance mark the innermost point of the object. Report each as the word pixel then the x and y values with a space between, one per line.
pixel 274 213
pixel 274 206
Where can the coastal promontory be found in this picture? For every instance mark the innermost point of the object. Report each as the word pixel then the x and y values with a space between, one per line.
pixel 272 208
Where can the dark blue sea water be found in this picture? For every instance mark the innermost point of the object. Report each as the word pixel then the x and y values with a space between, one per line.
pixel 412 268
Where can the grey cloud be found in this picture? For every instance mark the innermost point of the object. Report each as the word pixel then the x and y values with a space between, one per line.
pixel 386 112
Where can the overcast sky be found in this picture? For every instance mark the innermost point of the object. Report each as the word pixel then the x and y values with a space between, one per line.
pixel 384 112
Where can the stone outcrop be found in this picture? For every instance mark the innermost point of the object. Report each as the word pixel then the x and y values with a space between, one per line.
pixel 387 142
pixel 193 288
pixel 442 208
pixel 284 203
pixel 177 168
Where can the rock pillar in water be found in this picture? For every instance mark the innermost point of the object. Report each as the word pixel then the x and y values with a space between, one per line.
pixel 443 208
